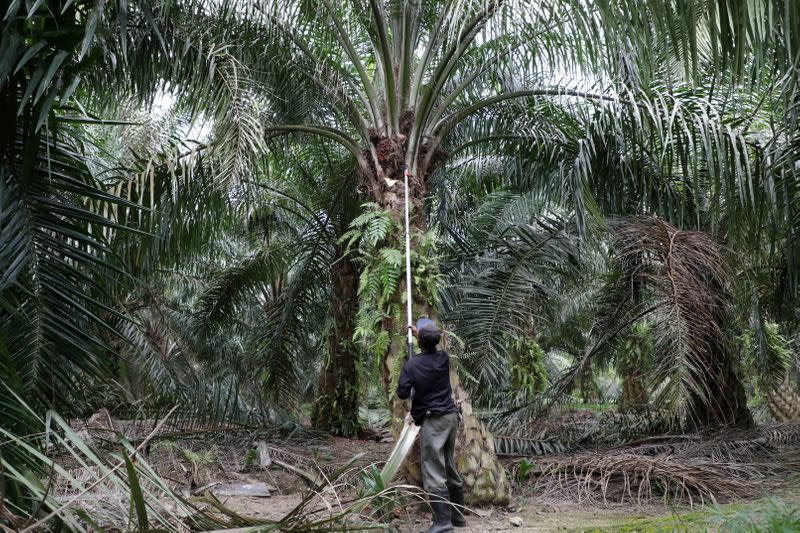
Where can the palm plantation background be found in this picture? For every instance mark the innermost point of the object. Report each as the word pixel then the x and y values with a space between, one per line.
pixel 201 207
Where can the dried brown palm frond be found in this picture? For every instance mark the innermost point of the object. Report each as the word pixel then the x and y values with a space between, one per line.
pixel 787 434
pixel 696 468
pixel 765 445
pixel 539 445
pixel 688 282
pixel 681 283
pixel 634 478
pixel 567 430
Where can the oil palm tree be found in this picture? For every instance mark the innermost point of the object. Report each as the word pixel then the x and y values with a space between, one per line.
pixel 721 188
pixel 72 236
pixel 411 87
pixel 305 210
pixel 54 254
pixel 403 86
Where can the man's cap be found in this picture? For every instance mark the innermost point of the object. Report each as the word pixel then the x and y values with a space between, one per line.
pixel 427 332
pixel 425 322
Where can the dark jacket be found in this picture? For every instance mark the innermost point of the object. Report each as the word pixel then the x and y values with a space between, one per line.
pixel 429 375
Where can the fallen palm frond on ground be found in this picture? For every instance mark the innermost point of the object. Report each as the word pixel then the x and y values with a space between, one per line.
pixel 630 477
pixel 693 469
pixel 56 480
pixel 198 456
pixel 114 489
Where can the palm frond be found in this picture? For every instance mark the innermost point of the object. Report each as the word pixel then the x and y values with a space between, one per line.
pixel 695 372
pixel 513 276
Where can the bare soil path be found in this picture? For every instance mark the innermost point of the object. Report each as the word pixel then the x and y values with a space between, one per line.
pixel 535 517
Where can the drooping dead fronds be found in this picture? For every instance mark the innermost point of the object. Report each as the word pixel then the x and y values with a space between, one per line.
pixel 782 434
pixel 566 430
pixel 685 275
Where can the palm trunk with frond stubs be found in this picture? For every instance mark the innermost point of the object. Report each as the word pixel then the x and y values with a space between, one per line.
pixel 634 363
pixel 336 406
pixel 484 476
pixel 783 402
pixel 634 394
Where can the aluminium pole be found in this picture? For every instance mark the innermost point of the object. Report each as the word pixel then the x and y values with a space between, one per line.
pixel 408 268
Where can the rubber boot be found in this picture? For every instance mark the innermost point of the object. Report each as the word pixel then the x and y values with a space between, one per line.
pixel 457 507
pixel 441 514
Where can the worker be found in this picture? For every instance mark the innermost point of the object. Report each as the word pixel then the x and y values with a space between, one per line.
pixel 433 408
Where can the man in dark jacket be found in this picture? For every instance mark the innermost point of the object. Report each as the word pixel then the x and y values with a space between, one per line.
pixel 432 407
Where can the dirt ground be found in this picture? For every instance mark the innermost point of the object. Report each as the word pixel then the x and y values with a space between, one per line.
pixel 537 513
pixel 205 462
pixel 542 518
pixel 536 517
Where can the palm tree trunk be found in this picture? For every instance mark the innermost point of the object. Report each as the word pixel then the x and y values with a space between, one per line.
pixel 590 393
pixel 485 480
pixel 783 402
pixel 725 402
pixel 484 477
pixel 634 366
pixel 634 395
pixel 336 407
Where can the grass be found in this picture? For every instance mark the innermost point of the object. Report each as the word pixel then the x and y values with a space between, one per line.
pixel 767 515
pixel 774 515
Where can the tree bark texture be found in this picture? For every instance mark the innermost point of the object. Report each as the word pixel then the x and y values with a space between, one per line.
pixel 783 402
pixel 590 392
pixel 634 395
pixel 634 367
pixel 725 401
pixel 336 407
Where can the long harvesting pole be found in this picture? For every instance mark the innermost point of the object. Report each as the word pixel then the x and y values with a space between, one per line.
pixel 408 269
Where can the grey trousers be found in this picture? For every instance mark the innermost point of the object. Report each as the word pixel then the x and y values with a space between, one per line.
pixel 437 448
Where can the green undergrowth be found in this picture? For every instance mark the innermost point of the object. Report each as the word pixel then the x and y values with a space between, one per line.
pixel 778 515
pixel 597 407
